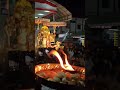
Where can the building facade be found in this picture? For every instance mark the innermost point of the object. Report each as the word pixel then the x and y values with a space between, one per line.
pixel 102 7
pixel 105 15
pixel 74 26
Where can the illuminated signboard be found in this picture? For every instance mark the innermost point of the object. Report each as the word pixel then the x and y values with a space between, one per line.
pixel 54 24
pixel 115 39
pixel 41 20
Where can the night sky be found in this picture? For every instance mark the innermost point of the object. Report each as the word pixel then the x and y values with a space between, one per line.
pixel 76 7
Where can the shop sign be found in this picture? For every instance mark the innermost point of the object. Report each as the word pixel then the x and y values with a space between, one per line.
pixel 41 20
pixel 55 24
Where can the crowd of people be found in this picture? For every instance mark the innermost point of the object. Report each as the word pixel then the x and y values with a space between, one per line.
pixel 75 53
pixel 102 65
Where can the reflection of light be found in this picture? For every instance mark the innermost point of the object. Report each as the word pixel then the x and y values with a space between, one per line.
pixel 40 14
pixel 46 11
pixel 82 38
pixel 61 35
pixel 76 37
pixel 36 17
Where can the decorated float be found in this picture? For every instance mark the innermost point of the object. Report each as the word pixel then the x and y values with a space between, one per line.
pixel 52 74
pixel 21 37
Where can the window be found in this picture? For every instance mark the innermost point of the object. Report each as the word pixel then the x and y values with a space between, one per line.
pixel 79 26
pixel 105 3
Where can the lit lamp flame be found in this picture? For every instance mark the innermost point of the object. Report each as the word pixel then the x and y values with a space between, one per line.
pixel 37 68
pixel 67 66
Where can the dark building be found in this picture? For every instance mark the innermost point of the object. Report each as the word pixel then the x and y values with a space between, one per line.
pixel 102 8
pixel 105 15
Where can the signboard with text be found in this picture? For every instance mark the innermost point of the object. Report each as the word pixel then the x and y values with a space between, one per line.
pixel 55 24
pixel 41 20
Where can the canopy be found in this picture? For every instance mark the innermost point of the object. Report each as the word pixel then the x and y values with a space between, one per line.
pixel 51 9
